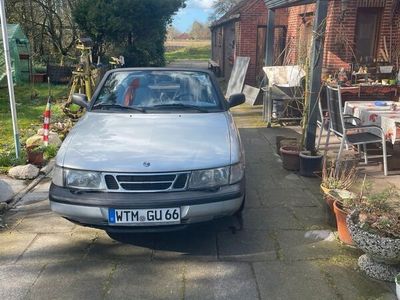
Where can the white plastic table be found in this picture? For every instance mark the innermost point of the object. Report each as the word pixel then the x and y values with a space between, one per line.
pixel 383 116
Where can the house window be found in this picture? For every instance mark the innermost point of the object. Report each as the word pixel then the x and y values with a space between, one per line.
pixel 367 29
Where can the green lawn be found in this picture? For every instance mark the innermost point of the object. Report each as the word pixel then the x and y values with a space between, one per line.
pixel 29 113
pixel 194 53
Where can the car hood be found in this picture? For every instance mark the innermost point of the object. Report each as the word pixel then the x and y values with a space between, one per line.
pixel 115 142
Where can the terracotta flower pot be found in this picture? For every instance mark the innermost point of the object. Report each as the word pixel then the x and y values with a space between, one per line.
pixel 329 201
pixel 290 158
pixel 328 207
pixel 327 197
pixel 329 210
pixel 324 189
pixel 284 141
pixel 343 230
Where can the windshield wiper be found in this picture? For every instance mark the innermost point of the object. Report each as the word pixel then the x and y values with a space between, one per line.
pixel 118 106
pixel 180 106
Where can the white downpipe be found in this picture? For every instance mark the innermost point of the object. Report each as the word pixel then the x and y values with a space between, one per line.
pixel 9 76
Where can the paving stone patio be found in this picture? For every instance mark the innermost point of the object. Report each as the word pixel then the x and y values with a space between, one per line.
pixel 281 249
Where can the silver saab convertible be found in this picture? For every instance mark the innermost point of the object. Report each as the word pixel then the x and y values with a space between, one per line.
pixel 156 149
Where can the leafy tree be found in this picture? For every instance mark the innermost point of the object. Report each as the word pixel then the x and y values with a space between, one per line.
pixel 221 7
pixel 134 28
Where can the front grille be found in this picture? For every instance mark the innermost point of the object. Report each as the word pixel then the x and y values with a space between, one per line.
pixel 111 182
pixel 146 182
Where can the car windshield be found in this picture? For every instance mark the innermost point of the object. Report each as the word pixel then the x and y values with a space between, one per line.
pixel 158 90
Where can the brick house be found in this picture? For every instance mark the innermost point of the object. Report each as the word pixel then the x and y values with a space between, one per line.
pixel 356 32
pixel 241 32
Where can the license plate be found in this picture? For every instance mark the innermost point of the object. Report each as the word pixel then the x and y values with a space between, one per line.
pixel 156 216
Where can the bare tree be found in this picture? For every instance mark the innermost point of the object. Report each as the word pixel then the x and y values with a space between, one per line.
pixel 48 25
pixel 172 32
pixel 221 7
pixel 200 31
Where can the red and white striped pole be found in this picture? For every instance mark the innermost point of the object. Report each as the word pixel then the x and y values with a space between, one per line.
pixel 46 123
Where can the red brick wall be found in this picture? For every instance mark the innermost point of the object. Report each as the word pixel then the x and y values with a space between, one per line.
pixel 340 36
pixel 246 45
pixel 251 17
pixel 295 20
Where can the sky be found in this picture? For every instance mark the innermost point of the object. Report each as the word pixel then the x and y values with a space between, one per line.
pixel 196 10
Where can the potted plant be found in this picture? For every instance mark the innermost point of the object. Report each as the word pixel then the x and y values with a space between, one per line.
pixel 50 152
pixel 35 154
pixel 337 178
pixel 374 226
pixel 310 158
pixel 342 207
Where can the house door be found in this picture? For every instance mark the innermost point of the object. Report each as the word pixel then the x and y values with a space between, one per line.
pixel 260 54
pixel 229 49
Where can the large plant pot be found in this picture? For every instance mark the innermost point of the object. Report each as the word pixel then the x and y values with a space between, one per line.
pixel 341 216
pixel 284 141
pixel 324 190
pixel 328 207
pixel 382 254
pixel 290 158
pixel 310 164
pixel 35 158
pixel 327 197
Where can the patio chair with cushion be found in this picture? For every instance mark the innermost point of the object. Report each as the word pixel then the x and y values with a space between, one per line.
pixel 284 93
pixel 352 133
pixel 323 117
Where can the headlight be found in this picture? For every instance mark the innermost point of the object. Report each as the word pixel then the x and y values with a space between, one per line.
pixel 83 180
pixel 209 178
pixel 237 172
pixel 58 178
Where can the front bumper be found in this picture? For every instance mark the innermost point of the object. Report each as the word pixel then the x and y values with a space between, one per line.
pixel 91 208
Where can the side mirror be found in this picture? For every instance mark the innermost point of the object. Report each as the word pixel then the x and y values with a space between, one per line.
pixel 236 99
pixel 81 100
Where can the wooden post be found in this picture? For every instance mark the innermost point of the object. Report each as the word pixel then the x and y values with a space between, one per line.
pixel 269 39
pixel 317 55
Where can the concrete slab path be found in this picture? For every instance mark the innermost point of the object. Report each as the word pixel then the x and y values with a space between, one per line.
pixel 281 249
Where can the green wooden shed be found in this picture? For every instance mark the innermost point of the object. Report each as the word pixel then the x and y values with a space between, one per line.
pixel 19 52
